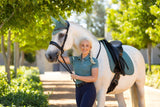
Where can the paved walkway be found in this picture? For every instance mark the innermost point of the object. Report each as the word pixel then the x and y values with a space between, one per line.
pixel 60 88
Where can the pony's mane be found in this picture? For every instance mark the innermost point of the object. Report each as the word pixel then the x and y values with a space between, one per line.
pixel 80 27
pixel 82 33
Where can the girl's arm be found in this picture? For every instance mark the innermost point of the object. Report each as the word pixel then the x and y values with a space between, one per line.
pixel 65 58
pixel 92 78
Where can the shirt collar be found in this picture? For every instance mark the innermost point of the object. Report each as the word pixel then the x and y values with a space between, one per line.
pixel 86 58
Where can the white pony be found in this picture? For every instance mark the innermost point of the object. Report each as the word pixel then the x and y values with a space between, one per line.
pixel 135 82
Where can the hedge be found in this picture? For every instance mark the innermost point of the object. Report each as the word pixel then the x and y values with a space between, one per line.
pixel 25 90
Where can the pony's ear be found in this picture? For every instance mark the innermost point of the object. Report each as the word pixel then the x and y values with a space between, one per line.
pixel 62 20
pixel 54 20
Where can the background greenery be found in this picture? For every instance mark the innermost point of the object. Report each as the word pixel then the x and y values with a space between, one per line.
pixel 153 77
pixel 25 90
pixel 135 23
pixel 26 26
pixel 30 22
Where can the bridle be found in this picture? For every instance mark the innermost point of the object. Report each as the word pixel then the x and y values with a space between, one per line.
pixel 61 48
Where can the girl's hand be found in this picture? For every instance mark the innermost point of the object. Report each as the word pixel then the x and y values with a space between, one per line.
pixel 73 76
pixel 66 58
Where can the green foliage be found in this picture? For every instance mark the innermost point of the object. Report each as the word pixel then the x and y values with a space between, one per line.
pixel 131 22
pixel 154 31
pixel 3 82
pixel 153 77
pixel 25 90
pixel 29 20
pixel 29 57
pixel 95 19
pixel 21 98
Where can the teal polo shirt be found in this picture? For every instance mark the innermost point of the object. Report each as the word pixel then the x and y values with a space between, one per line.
pixel 82 67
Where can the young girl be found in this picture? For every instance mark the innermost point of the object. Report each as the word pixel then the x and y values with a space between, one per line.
pixel 86 73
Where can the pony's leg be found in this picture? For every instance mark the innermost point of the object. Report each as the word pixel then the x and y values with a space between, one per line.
pixel 101 98
pixel 120 98
pixel 137 94
pixel 140 93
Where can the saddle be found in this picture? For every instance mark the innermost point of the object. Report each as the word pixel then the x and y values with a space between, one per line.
pixel 116 51
pixel 117 46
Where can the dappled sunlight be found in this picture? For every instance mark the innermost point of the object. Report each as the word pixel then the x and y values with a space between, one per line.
pixel 62 102
pixel 61 93
pixel 62 86
pixel 111 104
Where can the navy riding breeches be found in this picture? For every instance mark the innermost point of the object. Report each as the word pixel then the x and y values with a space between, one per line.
pixel 85 95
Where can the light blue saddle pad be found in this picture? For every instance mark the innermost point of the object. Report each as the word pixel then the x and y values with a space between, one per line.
pixel 127 59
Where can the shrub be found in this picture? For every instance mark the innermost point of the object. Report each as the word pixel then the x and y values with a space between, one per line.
pixel 25 90
pixel 153 77
pixel 3 83
pixel 24 98
pixel 30 57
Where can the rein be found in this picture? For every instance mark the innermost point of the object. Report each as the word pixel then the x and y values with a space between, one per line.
pixel 99 50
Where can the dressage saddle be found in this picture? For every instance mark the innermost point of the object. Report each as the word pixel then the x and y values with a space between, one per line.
pixel 117 45
pixel 116 51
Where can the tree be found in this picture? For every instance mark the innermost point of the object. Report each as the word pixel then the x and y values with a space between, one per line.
pixel 130 23
pixel 7 56
pixel 154 32
pixel 94 20
pixel 29 21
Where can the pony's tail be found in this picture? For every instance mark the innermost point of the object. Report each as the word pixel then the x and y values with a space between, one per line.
pixel 134 95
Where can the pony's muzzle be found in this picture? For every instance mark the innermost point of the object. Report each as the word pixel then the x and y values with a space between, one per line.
pixel 51 57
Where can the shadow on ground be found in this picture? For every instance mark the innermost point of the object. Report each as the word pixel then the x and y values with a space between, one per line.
pixel 62 93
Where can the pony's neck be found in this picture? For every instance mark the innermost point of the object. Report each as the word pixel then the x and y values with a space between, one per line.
pixel 78 32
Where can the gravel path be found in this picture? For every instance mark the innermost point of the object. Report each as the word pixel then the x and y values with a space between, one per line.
pixel 61 91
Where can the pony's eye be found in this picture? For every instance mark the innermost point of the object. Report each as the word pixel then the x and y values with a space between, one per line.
pixel 61 35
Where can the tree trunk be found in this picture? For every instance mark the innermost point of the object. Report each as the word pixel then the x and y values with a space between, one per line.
pixel 16 57
pixel 3 50
pixel 9 55
pixel 6 56
pixel 21 62
pixel 149 55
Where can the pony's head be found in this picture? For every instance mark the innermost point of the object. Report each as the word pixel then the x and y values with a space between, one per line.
pixel 61 39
